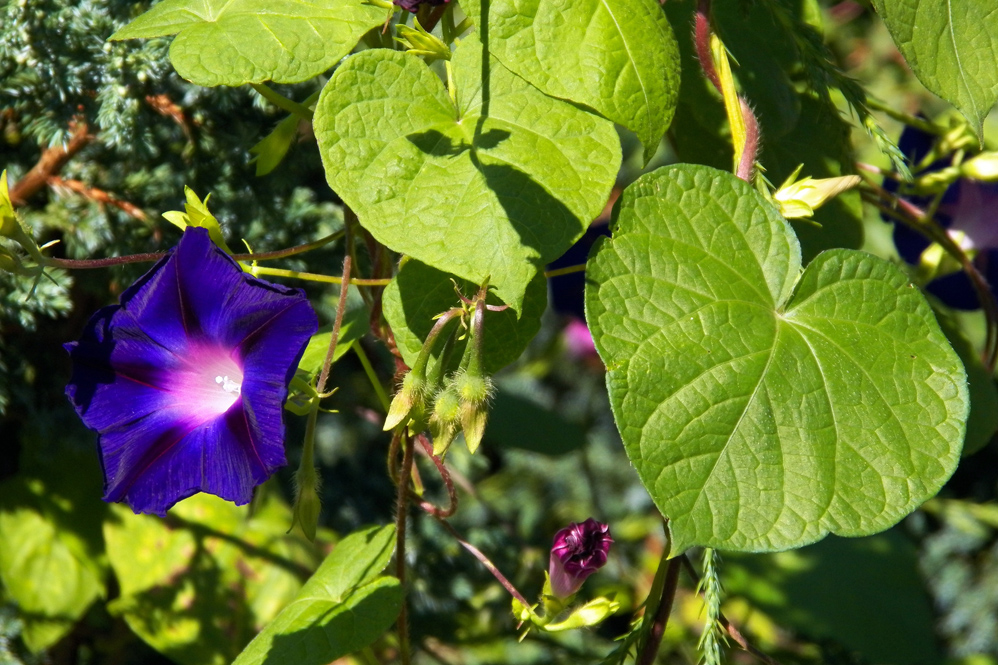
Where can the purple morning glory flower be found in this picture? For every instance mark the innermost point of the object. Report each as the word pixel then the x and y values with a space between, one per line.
pixel 579 550
pixel 969 212
pixel 412 6
pixel 185 380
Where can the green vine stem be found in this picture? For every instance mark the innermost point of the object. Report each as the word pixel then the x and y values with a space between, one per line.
pixel 301 110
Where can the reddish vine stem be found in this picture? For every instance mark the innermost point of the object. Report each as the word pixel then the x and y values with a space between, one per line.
pixel 701 38
pixel 733 631
pixel 88 264
pixel 444 472
pixel 401 510
pixel 485 561
pixel 913 217
pixel 661 620
pixel 341 307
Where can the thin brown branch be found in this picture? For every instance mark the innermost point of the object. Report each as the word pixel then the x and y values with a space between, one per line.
pixel 166 107
pixel 661 620
pixel 401 512
pixel 50 164
pixel 98 195
pixel 427 449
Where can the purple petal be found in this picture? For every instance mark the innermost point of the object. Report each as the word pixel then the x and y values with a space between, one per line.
pixel 185 380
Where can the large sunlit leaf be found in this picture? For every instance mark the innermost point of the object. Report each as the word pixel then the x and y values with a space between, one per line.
pixel 493 186
pixel 198 586
pixel 419 293
pixel 952 47
pixel 233 42
pixel 760 410
pixel 618 57
pixel 344 607
pixel 48 562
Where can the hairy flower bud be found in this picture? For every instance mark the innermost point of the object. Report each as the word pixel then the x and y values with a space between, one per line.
pixel 307 503
pixel 474 392
pixel 446 419
pixel 579 550
pixel 408 401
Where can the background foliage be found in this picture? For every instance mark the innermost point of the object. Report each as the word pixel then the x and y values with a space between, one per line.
pixel 84 582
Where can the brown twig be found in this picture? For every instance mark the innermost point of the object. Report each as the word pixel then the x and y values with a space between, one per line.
pixel 98 195
pixel 478 554
pixel 50 164
pixel 661 620
pixel 166 107
pixel 401 510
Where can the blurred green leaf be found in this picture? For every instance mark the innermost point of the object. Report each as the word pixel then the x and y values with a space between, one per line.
pixel 762 407
pixel 48 560
pixel 344 607
pixel 983 420
pixel 866 593
pixel 418 293
pixel 354 326
pixel 198 585
pixel 488 185
pixel 516 422
pixel 618 58
pixel 951 48
pixel 270 150
pixel 233 42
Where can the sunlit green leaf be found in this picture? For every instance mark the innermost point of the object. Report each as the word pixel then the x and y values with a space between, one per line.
pixel 233 42
pixel 761 407
pixel 200 584
pixel 47 560
pixel 951 48
pixel 619 58
pixel 343 607
pixel 495 185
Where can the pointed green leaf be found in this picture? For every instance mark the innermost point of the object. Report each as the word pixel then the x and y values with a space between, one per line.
pixel 477 189
pixel 618 57
pixel 418 293
pixel 760 410
pixel 233 42
pixel 344 607
pixel 951 48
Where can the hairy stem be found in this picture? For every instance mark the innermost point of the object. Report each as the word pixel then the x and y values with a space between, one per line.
pixel 401 510
pixel 341 307
pixel 661 620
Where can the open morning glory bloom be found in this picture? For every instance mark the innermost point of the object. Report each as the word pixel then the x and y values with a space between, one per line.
pixel 185 379
pixel 579 550
pixel 969 212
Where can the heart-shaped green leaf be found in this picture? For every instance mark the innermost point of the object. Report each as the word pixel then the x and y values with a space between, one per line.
pixel 233 42
pixel 951 47
pixel 760 410
pixel 619 58
pixel 493 185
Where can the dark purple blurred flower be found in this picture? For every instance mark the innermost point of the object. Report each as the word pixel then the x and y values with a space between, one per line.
pixel 413 5
pixel 185 380
pixel 579 550
pixel 969 212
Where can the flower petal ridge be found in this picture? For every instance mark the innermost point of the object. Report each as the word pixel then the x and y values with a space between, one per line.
pixel 184 380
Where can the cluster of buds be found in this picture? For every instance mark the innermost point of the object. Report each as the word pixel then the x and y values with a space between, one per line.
pixel 578 551
pixel 460 401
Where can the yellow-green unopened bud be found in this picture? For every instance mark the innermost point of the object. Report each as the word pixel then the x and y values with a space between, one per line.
pixel 983 167
pixel 307 504
pixel 419 42
pixel 407 400
pixel 802 198
pixel 474 392
pixel 8 222
pixel 446 419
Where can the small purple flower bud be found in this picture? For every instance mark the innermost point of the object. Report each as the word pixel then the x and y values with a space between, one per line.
pixel 412 6
pixel 579 550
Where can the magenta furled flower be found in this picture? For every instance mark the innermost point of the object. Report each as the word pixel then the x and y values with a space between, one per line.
pixel 579 550
pixel 185 380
